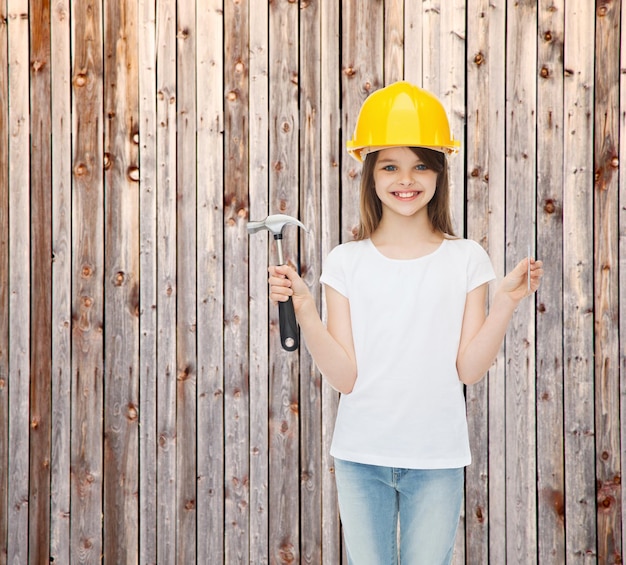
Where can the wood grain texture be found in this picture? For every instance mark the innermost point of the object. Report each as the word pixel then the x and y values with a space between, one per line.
pixel 148 281
pixel 578 393
pixel 4 283
pixel 549 211
pixel 88 284
pixel 236 316
pixel 284 400
pixel 210 283
pixel 61 376
pixel 121 283
pixel 167 283
pixel 606 282
pixel 477 188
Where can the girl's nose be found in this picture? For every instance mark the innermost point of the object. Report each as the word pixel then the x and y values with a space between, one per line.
pixel 407 179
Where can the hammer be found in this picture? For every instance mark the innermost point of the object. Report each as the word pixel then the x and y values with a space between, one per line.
pixel 286 314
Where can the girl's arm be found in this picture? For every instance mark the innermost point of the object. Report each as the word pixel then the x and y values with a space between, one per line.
pixel 331 346
pixel 482 336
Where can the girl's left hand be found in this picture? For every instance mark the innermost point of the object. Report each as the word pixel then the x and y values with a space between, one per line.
pixel 515 284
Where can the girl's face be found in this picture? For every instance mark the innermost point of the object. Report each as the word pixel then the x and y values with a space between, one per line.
pixel 403 183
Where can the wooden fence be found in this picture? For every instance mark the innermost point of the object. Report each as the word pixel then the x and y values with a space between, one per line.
pixel 147 411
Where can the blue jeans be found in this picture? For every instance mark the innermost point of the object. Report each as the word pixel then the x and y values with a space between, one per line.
pixel 381 506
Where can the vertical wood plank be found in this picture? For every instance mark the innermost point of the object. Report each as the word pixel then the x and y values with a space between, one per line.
pixel 393 66
pixel 40 286
pixel 121 283
pixel 236 362
pixel 519 347
pixel 61 127
pixel 621 107
pixel 210 379
pixel 413 46
pixel 19 279
pixel 496 177
pixel 331 153
pixel 362 60
pixel 550 195
pixel 148 281
pixel 167 290
pixel 606 307
pixel 310 191
pixel 259 301
pixel 87 269
pixel 476 537
pixel 580 495
pixel 186 372
pixel 4 282
pixel 451 69
pixel 284 368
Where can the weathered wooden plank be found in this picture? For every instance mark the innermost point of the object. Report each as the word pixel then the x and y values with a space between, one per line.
pixel 4 282
pixel 61 127
pixel 331 153
pixel 210 376
pixel 413 46
pixel 121 284
pixel 606 283
pixel 148 281
pixel 452 93
pixel 258 262
pixel 284 368
pixel 41 279
pixel 186 284
pixel 19 279
pixel 519 348
pixel 236 362
pixel 167 289
pixel 578 392
pixel 362 60
pixel 310 191
pixel 550 195
pixel 393 66
pixel 496 177
pixel 87 293
pixel 621 108
pixel 476 538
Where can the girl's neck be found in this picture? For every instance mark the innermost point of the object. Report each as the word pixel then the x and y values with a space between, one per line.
pixel 406 238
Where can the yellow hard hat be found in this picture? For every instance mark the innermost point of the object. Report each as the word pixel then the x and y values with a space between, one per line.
pixel 401 114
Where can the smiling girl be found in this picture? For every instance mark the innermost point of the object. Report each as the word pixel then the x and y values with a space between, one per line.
pixel 406 328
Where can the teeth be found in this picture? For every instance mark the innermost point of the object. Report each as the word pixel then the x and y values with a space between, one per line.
pixel 405 194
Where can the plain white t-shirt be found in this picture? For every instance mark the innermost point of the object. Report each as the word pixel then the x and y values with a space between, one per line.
pixel 407 407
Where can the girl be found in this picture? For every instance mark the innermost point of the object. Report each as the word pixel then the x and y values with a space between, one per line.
pixel 406 328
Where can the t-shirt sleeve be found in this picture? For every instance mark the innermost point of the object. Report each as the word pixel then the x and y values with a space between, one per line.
pixel 333 272
pixel 480 268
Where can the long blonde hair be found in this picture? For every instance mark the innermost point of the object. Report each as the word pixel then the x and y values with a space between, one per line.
pixel 438 208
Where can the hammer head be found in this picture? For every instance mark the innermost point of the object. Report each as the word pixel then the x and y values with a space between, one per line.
pixel 274 224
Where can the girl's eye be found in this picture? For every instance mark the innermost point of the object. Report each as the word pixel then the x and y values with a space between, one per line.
pixel 421 167
pixel 389 168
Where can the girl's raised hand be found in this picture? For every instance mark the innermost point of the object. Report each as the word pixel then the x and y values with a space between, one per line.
pixel 284 282
pixel 515 284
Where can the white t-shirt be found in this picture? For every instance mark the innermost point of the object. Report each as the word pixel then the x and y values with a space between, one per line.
pixel 407 407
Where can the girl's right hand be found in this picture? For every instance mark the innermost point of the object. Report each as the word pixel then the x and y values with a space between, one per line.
pixel 285 282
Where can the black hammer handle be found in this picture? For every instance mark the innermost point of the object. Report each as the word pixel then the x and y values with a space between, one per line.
pixel 288 326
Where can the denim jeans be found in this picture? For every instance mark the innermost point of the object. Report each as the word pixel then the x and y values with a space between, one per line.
pixel 381 506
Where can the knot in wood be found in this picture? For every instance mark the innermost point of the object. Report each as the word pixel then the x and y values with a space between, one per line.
pixel 602 10
pixel 231 96
pixel 615 162
pixel 544 73
pixel 86 271
pixel 80 170
pixel 107 161
pixel 118 279
pixel 131 412
pixel 547 36
pixel 479 59
pixel 87 301
pixel 549 206
pixel 133 174
pixel 349 71
pixel 80 79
